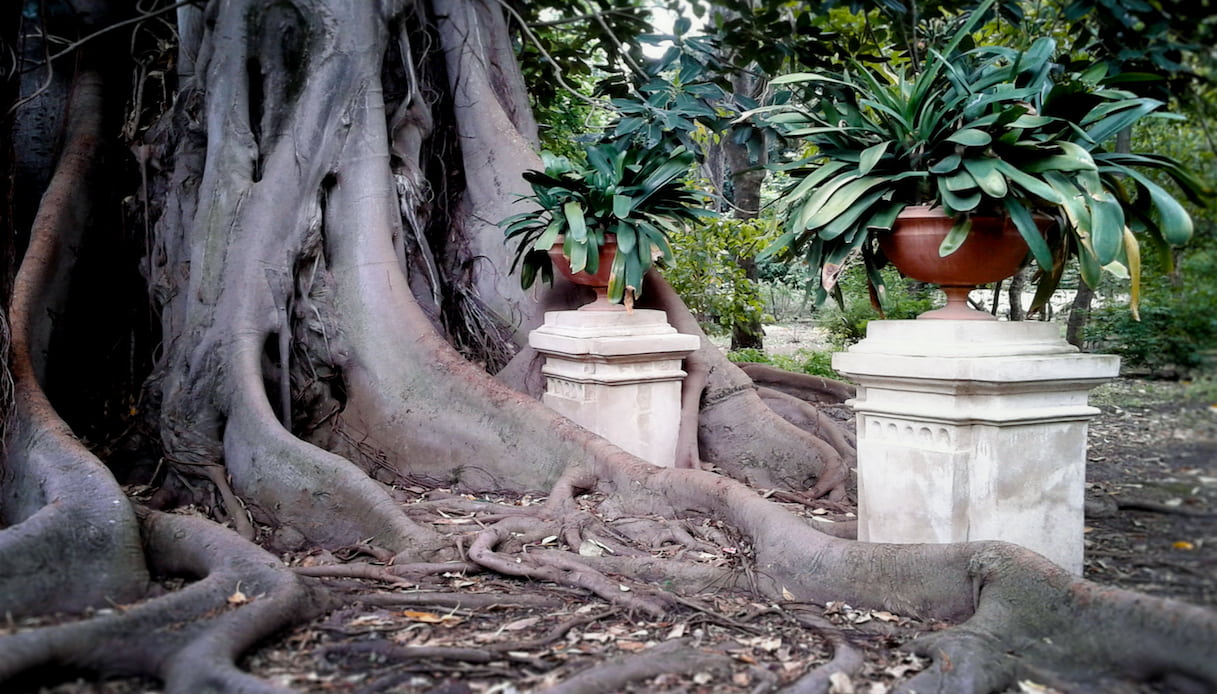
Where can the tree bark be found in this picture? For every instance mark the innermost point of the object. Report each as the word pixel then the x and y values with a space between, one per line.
pixel 323 191
pixel 1079 314
pixel 746 180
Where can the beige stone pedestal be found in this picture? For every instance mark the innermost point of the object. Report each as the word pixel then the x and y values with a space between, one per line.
pixel 973 430
pixel 617 374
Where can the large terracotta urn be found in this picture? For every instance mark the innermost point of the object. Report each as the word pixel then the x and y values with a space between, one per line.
pixel 598 281
pixel 993 251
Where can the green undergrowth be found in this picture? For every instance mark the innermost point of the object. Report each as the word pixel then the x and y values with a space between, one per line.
pixel 1140 392
pixel 806 361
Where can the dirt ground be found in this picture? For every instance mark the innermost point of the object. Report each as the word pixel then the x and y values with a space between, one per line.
pixel 1152 527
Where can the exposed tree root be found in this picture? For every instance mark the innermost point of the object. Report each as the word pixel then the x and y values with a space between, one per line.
pixel 846 660
pixel 65 515
pixel 811 420
pixel 812 389
pixel 462 601
pixel 1017 607
pixel 189 638
pixel 281 258
pixel 358 570
pixel 615 673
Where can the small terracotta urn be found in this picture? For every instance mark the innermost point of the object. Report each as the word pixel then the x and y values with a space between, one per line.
pixel 599 281
pixel 993 251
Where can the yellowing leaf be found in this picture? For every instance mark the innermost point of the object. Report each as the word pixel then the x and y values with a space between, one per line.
pixel 1184 545
pixel 430 617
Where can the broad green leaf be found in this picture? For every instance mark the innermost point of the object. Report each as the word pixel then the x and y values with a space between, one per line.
pixel 616 287
pixel 871 156
pixel 1174 223
pixel 577 253
pixel 549 237
pixel 885 218
pixel 960 181
pixel 634 268
pixel 1028 121
pixel 847 195
pixel 1040 52
pixel 987 177
pixel 1088 264
pixel 1073 204
pixel 1107 226
pixel 778 247
pixel 1123 118
pixel 627 237
pixel 573 211
pixel 844 221
pixel 808 209
pixel 1029 183
pixel 956 202
pixel 1027 228
pixel 955 238
pixel 970 137
pixel 623 205
pixel 947 164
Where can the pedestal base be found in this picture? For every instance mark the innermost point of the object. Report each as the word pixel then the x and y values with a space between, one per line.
pixel 973 431
pixel 618 374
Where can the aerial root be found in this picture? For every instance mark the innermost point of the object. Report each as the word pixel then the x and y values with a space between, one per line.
pixel 678 656
pixel 232 505
pixel 811 420
pixel 189 638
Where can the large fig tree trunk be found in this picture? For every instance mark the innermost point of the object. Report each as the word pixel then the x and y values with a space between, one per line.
pixel 320 198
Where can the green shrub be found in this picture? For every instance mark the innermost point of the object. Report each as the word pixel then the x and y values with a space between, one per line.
pixel 1177 330
pixel 806 361
pixel 846 324
pixel 707 275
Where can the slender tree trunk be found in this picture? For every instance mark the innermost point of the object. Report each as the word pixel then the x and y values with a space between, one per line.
pixel 1079 314
pixel 746 180
pixel 1015 295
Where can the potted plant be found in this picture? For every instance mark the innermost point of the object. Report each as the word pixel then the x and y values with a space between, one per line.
pixel 996 142
pixel 602 222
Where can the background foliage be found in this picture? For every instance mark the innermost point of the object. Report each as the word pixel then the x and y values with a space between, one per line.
pixel 1165 46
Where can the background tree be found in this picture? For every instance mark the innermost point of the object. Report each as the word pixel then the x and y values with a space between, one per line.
pixel 257 302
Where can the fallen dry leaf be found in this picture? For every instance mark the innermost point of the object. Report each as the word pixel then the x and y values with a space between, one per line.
pixel 431 617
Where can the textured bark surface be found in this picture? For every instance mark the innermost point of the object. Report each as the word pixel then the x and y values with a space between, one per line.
pixel 329 289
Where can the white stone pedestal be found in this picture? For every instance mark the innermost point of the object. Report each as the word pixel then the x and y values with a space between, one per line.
pixel 618 374
pixel 973 430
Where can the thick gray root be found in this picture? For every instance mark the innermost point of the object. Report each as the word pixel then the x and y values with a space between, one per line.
pixel 190 638
pixel 66 516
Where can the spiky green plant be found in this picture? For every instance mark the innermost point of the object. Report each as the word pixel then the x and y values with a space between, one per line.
pixel 976 130
pixel 637 194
